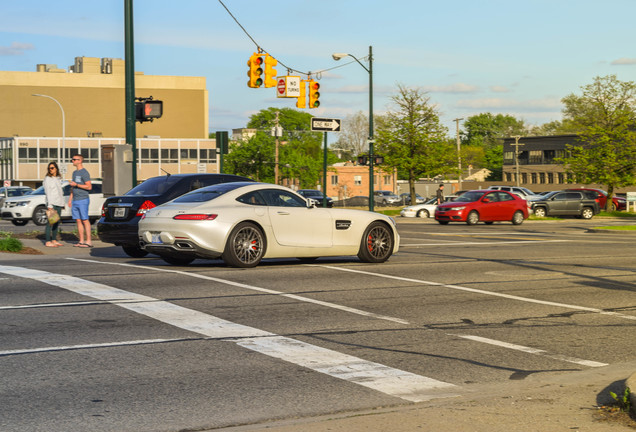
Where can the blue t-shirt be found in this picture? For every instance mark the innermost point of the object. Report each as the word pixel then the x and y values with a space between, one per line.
pixel 80 177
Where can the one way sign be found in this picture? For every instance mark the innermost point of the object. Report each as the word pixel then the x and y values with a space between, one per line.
pixel 323 124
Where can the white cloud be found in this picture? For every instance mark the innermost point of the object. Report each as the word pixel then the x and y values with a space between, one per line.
pixel 453 88
pixel 15 49
pixel 500 103
pixel 499 89
pixel 624 61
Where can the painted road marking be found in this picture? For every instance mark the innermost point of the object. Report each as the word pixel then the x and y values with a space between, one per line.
pixel 482 243
pixel 393 382
pixel 529 350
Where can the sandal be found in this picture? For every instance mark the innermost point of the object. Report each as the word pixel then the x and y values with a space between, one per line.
pixel 50 244
pixel 78 245
pixel 85 245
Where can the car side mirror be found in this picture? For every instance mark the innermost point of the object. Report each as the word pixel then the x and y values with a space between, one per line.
pixel 486 200
pixel 311 203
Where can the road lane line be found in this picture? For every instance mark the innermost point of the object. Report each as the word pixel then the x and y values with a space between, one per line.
pixel 478 291
pixel 390 381
pixel 485 242
pixel 529 350
pixel 255 288
pixel 92 346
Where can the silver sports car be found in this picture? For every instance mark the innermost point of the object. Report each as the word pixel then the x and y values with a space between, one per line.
pixel 243 223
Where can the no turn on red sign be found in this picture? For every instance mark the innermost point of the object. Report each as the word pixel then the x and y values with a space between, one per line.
pixel 288 87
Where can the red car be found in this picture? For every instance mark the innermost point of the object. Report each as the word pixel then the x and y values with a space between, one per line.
pixel 483 205
pixel 618 203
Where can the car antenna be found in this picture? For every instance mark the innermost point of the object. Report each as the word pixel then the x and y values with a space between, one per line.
pixel 165 172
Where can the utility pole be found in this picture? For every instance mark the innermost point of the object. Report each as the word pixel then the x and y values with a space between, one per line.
pixel 517 144
pixel 131 125
pixel 276 133
pixel 459 155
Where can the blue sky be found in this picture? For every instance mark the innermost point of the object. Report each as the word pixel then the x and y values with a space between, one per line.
pixel 510 57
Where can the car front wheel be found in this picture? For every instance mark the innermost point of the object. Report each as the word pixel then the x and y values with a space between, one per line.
pixel 177 261
pixel 539 212
pixel 39 216
pixel 19 222
pixel 473 218
pixel 376 245
pixel 245 246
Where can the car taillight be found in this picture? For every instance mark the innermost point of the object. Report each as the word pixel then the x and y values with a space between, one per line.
pixel 195 216
pixel 143 209
pixel 104 209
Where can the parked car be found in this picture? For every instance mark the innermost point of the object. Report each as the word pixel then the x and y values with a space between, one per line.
pixel 382 197
pixel 583 204
pixel 32 207
pixel 405 198
pixel 316 195
pixel 517 190
pixel 618 203
pixel 121 214
pixel 424 210
pixel 13 191
pixel 243 223
pixel 484 205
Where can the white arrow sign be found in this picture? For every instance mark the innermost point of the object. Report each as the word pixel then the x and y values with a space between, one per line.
pixel 323 124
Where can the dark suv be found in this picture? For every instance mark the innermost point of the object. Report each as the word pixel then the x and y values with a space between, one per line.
pixel 121 214
pixel 315 194
pixel 566 203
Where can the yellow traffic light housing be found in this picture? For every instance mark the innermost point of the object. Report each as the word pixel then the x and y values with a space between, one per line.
pixel 301 102
pixel 270 72
pixel 314 94
pixel 255 71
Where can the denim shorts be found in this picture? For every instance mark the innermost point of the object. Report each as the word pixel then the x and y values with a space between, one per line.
pixel 79 209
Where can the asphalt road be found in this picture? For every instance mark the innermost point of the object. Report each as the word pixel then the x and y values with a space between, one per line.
pixel 95 340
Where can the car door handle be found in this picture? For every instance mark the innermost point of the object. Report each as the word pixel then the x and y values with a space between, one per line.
pixel 280 212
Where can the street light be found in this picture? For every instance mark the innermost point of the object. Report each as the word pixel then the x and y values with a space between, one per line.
pixel 338 56
pixel 60 162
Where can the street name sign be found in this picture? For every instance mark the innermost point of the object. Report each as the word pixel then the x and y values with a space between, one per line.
pixel 325 125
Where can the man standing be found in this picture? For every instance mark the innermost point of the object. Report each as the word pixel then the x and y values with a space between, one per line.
pixel 440 194
pixel 79 200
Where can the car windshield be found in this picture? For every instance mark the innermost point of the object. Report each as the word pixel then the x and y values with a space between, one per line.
pixel 471 196
pixel 38 191
pixel 154 186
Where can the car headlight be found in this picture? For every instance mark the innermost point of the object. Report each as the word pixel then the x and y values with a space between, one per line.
pixel 457 208
pixel 22 203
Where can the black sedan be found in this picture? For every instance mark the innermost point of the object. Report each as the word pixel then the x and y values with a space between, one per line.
pixel 121 214
pixel 316 195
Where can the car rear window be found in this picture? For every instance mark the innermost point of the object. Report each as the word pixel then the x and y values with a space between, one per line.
pixel 209 193
pixel 154 186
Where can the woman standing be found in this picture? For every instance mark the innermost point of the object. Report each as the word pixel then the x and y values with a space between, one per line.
pixel 54 200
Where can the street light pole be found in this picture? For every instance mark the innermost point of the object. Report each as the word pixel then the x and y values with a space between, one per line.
pixel 338 56
pixel 60 161
pixel 459 154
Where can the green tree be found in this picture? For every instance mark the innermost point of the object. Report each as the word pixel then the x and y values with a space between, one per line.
pixel 486 130
pixel 556 127
pixel 605 115
pixel 412 139
pixel 300 150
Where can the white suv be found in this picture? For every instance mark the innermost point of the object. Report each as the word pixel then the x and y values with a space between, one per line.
pixel 521 192
pixel 20 210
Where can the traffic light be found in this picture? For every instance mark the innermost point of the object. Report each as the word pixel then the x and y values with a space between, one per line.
pixel 314 94
pixel 270 72
pixel 362 160
pixel 147 109
pixel 255 71
pixel 301 101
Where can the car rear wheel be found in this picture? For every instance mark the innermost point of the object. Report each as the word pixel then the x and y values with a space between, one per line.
pixel 245 246
pixel 134 251
pixel 39 216
pixel 473 218
pixel 423 214
pixel 517 218
pixel 539 212
pixel 587 213
pixel 377 243
pixel 178 261
pixel 19 222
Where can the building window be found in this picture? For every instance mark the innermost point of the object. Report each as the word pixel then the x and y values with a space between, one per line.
pixel 207 155
pixel 561 177
pixel 149 155
pixel 535 157
pixel 524 177
pixel 27 155
pixel 190 154
pixel 357 180
pixel 550 177
pixel 334 180
pixel 169 155
pixel 509 157
pixel 387 179
pixel 534 178
pixel 48 154
pixel 542 178
pixel 508 177
pixel 91 155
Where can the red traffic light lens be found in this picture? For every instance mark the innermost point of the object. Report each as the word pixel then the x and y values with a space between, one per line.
pixel 315 86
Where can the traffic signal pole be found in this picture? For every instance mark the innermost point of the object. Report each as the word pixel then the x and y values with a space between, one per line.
pixel 131 132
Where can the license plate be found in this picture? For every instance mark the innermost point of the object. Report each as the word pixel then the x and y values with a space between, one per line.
pixel 156 239
pixel 119 212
